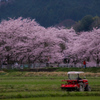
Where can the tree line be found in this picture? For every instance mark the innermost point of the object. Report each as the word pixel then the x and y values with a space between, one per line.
pixel 25 41
pixel 87 23
pixel 50 12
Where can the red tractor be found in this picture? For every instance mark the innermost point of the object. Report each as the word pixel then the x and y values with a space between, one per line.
pixel 75 82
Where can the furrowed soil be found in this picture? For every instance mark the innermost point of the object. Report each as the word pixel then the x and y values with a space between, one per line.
pixel 20 85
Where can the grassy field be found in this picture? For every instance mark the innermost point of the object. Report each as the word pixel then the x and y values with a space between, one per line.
pixel 60 98
pixel 45 85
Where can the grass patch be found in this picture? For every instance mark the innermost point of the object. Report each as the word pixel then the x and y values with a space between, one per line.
pixel 89 69
pixel 46 94
pixel 58 69
pixel 60 98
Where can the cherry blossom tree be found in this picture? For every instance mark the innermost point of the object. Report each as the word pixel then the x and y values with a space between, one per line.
pixel 87 46
pixel 16 32
pixel 25 41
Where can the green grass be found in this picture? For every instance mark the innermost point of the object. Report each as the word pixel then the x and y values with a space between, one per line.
pixel 60 98
pixel 17 85
pixel 90 69
pixel 65 69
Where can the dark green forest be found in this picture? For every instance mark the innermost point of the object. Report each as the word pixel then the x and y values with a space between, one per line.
pixel 49 12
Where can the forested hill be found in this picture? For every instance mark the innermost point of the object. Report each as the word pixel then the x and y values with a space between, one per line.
pixel 49 12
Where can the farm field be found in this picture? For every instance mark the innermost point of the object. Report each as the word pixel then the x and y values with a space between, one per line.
pixel 60 98
pixel 43 85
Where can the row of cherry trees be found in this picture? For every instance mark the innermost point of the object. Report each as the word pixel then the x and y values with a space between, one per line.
pixel 86 47
pixel 25 41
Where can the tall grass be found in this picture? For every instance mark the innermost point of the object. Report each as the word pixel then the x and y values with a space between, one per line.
pixel 32 74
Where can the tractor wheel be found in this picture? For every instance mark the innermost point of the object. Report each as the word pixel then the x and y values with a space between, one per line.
pixel 81 88
pixel 88 88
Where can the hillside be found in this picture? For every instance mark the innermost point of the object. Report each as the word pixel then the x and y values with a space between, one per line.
pixel 49 12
